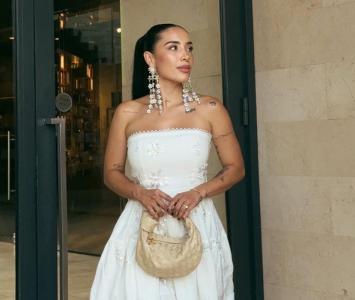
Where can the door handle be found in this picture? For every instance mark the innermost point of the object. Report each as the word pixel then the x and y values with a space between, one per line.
pixel 8 165
pixel 59 122
pixel 9 140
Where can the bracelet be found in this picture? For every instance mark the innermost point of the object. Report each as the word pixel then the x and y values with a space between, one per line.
pixel 194 189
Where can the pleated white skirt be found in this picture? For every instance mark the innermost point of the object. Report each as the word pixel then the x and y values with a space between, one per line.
pixel 118 277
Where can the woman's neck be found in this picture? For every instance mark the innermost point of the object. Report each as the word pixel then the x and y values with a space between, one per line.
pixel 171 93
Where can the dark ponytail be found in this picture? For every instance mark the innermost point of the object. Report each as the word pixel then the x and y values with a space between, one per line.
pixel 140 67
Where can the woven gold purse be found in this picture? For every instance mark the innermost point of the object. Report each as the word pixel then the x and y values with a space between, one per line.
pixel 164 256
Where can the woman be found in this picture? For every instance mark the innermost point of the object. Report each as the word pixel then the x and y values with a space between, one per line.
pixel 166 134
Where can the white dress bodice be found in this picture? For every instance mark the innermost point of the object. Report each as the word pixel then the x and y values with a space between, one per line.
pixel 170 159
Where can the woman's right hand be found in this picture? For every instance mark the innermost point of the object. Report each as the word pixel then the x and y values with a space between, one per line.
pixel 155 201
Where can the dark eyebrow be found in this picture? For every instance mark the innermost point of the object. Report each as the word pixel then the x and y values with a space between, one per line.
pixel 177 42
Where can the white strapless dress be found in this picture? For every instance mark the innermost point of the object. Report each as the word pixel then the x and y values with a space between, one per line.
pixel 173 160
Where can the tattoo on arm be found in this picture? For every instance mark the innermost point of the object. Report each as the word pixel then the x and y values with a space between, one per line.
pixel 217 148
pixel 223 135
pixel 212 103
pixel 118 167
pixel 220 174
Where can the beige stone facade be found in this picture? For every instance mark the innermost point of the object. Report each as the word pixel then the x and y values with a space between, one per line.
pixel 305 84
pixel 201 19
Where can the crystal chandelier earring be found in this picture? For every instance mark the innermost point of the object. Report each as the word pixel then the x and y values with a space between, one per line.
pixel 188 95
pixel 155 99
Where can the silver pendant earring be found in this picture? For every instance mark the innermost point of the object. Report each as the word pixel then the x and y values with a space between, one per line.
pixel 155 99
pixel 188 95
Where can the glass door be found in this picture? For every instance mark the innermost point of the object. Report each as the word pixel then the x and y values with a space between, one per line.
pixel 7 154
pixel 82 48
pixel 88 76
pixel 88 70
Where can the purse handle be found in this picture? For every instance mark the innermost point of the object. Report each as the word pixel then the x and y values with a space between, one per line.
pixel 148 223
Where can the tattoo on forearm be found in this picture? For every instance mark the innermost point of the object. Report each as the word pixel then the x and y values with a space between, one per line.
pixel 220 174
pixel 212 103
pixel 118 167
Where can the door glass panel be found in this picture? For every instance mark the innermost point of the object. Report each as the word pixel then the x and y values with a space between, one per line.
pixel 88 68
pixel 7 153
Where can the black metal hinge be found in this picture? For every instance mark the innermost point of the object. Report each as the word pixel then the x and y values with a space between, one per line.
pixel 245 111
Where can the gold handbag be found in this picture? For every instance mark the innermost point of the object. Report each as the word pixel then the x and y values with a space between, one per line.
pixel 164 256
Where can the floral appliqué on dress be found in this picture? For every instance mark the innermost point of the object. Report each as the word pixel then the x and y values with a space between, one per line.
pixel 152 179
pixel 154 148
pixel 155 179
pixel 199 173
pixel 197 148
pixel 120 254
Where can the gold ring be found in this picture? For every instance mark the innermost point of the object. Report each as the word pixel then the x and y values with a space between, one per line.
pixel 186 206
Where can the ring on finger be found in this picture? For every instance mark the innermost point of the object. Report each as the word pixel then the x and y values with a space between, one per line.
pixel 186 206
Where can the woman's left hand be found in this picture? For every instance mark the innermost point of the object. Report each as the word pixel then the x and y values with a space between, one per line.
pixel 182 204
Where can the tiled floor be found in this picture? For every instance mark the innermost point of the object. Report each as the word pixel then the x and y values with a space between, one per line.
pixel 81 273
pixel 7 271
pixel 92 215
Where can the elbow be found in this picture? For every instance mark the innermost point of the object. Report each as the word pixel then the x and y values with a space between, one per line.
pixel 242 173
pixel 107 179
pixel 239 174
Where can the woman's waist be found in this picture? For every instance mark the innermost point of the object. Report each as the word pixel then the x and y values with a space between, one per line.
pixel 170 183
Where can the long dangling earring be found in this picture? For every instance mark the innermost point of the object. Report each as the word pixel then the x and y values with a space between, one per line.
pixel 188 95
pixel 155 99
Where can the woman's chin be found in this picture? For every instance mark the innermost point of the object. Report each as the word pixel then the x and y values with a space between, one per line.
pixel 183 78
pixel 180 78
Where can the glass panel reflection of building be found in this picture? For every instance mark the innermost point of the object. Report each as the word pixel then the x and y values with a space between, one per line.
pixel 88 68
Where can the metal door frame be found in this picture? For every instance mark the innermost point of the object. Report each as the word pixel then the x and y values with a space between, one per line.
pixel 36 171
pixel 243 204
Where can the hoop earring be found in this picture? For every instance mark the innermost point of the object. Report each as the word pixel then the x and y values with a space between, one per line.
pixel 155 99
pixel 189 95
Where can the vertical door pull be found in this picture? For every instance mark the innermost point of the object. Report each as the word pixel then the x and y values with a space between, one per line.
pixel 8 165
pixel 9 140
pixel 59 122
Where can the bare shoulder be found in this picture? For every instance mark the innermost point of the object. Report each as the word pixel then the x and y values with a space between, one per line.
pixel 124 112
pixel 127 113
pixel 130 105
pixel 212 107
pixel 128 109
pixel 209 101
pixel 216 113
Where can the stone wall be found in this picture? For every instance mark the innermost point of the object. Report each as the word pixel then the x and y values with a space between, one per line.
pixel 305 83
